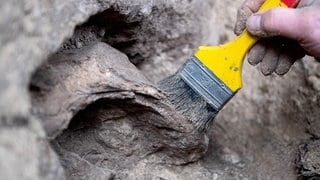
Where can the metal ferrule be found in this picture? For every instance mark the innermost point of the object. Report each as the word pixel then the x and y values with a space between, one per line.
pixel 205 83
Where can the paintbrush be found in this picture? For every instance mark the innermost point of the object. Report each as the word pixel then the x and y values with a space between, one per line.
pixel 209 79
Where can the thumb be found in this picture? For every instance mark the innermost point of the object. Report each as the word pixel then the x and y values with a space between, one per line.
pixel 277 22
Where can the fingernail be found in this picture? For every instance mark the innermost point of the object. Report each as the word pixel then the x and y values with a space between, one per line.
pixel 254 24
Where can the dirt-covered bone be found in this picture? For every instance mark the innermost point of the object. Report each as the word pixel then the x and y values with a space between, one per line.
pixel 105 111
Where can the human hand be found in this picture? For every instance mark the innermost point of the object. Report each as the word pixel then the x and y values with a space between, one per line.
pixel 288 34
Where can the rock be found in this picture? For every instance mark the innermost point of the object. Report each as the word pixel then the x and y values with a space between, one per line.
pixel 309 102
pixel 308 160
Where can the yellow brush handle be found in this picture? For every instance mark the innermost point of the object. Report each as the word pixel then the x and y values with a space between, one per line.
pixel 226 61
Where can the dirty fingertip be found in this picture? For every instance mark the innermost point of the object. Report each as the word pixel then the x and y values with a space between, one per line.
pixel 265 70
pixel 254 58
pixel 286 60
pixel 283 66
pixel 269 63
pixel 238 28
pixel 242 16
pixel 282 70
pixel 256 54
pixel 240 25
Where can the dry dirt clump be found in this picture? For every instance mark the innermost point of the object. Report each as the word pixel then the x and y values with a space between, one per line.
pixel 79 98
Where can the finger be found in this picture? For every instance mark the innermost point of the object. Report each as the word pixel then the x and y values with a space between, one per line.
pixel 278 21
pixel 289 54
pixel 246 10
pixel 256 53
pixel 285 62
pixel 270 60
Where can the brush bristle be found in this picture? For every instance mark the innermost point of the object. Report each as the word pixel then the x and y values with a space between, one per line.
pixel 187 102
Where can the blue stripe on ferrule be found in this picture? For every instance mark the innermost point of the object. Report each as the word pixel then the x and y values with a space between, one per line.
pixel 205 83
